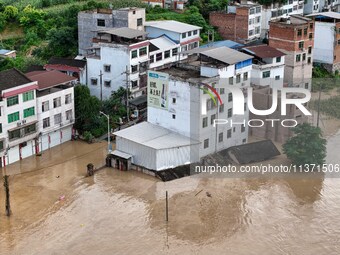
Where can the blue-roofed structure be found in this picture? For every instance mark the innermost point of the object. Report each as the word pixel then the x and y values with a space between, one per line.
pixel 225 43
pixel 7 53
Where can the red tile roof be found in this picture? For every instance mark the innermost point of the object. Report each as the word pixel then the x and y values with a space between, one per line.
pixel 264 51
pixel 49 79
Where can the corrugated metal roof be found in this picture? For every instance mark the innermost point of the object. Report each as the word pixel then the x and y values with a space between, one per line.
pixel 123 32
pixel 154 136
pixel 172 25
pixel 121 154
pixel 162 42
pixel 3 51
pixel 264 51
pixel 226 43
pixel 226 55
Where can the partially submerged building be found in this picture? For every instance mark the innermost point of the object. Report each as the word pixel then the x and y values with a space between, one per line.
pixel 181 108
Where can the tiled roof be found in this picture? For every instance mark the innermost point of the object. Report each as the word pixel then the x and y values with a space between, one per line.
pixel 49 79
pixel 12 78
pixel 263 51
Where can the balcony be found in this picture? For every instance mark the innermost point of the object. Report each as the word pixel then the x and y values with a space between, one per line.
pixel 22 133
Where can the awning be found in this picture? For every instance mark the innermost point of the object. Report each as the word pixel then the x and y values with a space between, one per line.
pixel 121 154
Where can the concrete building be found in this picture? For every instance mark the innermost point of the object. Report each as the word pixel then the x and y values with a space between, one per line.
pixel 55 107
pixel 268 65
pixel 18 120
pixel 327 40
pixel 262 99
pixel 242 23
pixel 90 22
pixel 179 101
pixel 188 36
pixel 311 6
pixel 277 11
pixel 295 37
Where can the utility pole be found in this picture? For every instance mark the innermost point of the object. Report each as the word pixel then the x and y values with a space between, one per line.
pixel 6 186
pixel 127 79
pixel 210 33
pixel 101 85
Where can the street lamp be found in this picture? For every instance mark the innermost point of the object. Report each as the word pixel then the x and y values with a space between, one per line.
pixel 108 131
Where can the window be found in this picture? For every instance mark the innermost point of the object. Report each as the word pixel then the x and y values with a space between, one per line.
pixel 231 80
pixel 139 22
pixel 167 54
pixel 13 117
pixel 310 36
pixel 221 91
pixel 15 134
pixel 229 133
pixel 56 102
pixel 46 122
pixel 243 128
pixel 189 33
pixel 174 116
pixel 290 10
pixel 134 84
pixel 304 57
pixel 258 19
pixel 277 77
pixel 245 76
pixel 174 100
pixel 245 106
pixel 152 58
pixel 195 32
pixel 68 115
pixel 220 137
pixel 301 45
pixel 266 74
pixel 206 143
pixel 12 100
pixel 230 97
pixel 310 50
pixel 212 118
pixel 68 98
pixel 311 25
pixel 305 30
pixel 1 145
pixel 100 22
pixel 94 81
pixel 107 68
pixel 45 106
pixel 57 119
pixel 134 68
pixel 306 85
pixel 184 35
pixel 251 21
pixel 159 56
pixel 258 9
pixel 205 122
pixel 230 112
pixel 184 48
pixel 27 96
pixel 299 32
pixel 257 30
pixel 107 84
pixel 251 32
pixel 238 78
pixel 29 129
pixel 252 11
pixel 142 51
pixel 309 60
pixel 174 52
pixel 29 112
pixel 221 108
pixel 134 54
pixel 0 127
pixel 298 58
pixel 278 59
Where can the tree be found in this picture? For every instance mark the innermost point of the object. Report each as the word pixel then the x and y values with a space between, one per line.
pixel 307 146
pixel 63 41
pixel 11 12
pixel 87 109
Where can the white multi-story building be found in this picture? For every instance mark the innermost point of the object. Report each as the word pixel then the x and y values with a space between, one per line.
pixel 182 110
pixel 268 65
pixel 20 121
pixel 276 11
pixel 311 6
pixel 55 107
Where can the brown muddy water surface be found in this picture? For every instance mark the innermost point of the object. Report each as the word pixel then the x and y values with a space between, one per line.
pixel 123 212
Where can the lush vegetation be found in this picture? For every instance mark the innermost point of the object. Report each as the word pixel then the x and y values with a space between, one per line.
pixel 307 146
pixel 330 106
pixel 324 80
pixel 88 120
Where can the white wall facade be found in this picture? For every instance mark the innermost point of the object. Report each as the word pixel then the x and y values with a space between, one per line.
pixel 324 42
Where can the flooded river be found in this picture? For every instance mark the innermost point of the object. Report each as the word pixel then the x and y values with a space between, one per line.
pixel 123 212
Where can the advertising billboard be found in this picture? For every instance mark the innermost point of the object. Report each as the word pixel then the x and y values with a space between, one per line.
pixel 158 86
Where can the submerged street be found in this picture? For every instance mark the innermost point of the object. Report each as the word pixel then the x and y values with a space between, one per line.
pixel 56 210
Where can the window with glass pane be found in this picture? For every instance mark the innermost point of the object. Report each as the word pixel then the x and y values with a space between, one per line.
pixel 142 51
pixel 266 74
pixel 15 134
pixel 68 98
pixel 29 112
pixel 45 106
pixel 134 54
pixel 13 117
pixel 27 96
pixel 46 122
pixel 0 127
pixel 12 100
pixel 69 115
pixel 57 119
pixel 29 129
pixel 56 102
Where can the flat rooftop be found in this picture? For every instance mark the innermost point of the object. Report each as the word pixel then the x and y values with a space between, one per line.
pixel 292 20
pixel 172 25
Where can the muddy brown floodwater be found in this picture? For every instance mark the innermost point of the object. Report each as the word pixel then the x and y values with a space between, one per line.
pixel 117 212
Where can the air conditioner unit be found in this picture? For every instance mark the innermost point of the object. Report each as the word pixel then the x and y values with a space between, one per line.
pixel 18 124
pixel 23 121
